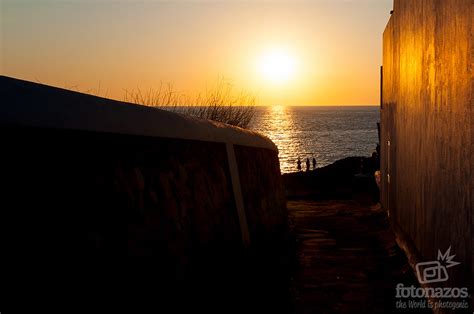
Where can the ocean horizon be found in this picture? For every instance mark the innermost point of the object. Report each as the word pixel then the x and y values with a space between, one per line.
pixel 326 133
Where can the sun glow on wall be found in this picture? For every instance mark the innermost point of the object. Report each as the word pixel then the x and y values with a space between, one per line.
pixel 277 66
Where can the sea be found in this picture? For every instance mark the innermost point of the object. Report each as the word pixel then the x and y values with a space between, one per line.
pixel 325 133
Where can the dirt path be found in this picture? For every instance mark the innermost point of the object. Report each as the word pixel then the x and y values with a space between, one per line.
pixel 347 257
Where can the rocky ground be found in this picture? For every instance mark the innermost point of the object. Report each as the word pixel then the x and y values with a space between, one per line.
pixel 347 258
pixel 348 178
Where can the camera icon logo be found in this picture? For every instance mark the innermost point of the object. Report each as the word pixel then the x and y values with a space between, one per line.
pixel 430 272
pixel 434 271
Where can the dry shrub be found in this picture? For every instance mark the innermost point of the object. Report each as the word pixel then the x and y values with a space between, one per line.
pixel 217 104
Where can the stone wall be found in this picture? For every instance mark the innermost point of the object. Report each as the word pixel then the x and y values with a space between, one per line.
pixel 79 185
pixel 263 193
pixel 426 128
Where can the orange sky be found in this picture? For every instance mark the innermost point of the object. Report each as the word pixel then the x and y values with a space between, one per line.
pixel 117 45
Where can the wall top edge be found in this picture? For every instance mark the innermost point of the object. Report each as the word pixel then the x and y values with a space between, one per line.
pixel 30 104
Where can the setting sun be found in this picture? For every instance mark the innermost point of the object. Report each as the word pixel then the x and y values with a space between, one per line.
pixel 277 66
pixel 283 52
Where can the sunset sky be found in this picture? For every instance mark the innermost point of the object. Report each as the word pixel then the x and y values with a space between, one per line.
pixel 320 52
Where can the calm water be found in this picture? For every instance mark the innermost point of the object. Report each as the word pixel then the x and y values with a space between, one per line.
pixel 327 133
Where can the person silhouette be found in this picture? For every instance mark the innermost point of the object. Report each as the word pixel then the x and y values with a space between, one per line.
pixel 314 163
pixel 299 164
pixel 307 164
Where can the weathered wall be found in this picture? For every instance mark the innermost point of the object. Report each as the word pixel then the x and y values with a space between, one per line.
pixel 82 178
pixel 263 192
pixel 427 123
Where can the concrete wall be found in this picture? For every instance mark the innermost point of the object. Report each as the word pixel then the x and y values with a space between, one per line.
pixel 426 128
pixel 85 175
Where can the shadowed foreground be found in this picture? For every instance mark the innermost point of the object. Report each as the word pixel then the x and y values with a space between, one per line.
pixel 347 257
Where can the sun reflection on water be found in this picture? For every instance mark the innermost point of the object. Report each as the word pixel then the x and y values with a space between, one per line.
pixel 325 133
pixel 279 126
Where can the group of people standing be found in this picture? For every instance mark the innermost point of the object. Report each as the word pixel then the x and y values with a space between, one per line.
pixel 308 164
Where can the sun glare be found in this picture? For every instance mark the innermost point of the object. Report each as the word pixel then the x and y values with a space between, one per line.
pixel 277 66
